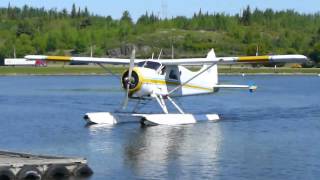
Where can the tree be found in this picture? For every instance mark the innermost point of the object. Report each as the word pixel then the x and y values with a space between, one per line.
pixel 315 38
pixel 24 46
pixel 80 44
pixel 52 42
pixel 248 38
pixel 126 18
pixel 79 12
pixel 54 31
pixel 315 53
pixel 73 11
pixel 25 27
pixel 65 12
pixel 246 16
pixel 86 12
pixel 40 44
pixel 124 31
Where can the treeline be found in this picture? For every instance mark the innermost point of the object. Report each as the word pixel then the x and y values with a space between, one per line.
pixel 77 31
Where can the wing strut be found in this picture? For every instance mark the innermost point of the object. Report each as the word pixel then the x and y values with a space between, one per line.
pixel 108 70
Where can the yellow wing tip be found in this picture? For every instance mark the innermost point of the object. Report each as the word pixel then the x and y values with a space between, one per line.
pixel 58 58
pixel 254 59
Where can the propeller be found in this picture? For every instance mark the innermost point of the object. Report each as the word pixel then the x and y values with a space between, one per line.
pixel 129 79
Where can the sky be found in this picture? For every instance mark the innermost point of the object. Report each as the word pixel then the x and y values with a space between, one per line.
pixel 169 8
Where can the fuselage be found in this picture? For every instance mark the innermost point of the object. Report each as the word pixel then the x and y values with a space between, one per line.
pixel 151 77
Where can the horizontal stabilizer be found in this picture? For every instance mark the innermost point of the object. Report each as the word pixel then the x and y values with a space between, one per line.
pixel 250 87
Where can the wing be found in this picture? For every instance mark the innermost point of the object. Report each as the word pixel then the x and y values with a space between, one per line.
pixel 114 61
pixel 238 60
pixel 210 59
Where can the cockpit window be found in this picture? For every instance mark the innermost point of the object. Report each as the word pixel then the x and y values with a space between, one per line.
pixel 173 75
pixel 149 64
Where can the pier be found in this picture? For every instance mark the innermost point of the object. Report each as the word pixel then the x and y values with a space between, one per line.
pixel 21 166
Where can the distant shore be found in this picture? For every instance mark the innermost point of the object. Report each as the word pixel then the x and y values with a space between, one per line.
pixel 94 70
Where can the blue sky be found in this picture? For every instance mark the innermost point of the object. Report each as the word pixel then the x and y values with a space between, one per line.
pixel 169 7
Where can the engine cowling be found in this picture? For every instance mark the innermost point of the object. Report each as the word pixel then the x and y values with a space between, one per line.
pixel 134 81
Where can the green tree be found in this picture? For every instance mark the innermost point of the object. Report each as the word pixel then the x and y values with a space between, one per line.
pixel 81 44
pixel 40 44
pixel 315 53
pixel 25 27
pixel 73 11
pixel 24 46
pixel 86 12
pixel 126 18
pixel 246 16
pixel 315 38
pixel 52 42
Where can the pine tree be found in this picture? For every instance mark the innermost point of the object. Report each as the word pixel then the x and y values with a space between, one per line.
pixel 73 11
pixel 126 17
pixel 86 12
pixel 246 16
pixel 79 12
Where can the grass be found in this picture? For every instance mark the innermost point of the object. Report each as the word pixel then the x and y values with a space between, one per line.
pixel 95 70
pixel 57 70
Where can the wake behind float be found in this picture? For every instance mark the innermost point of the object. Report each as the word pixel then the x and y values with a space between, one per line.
pixel 21 166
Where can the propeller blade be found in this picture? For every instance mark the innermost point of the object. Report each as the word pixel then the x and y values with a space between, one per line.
pixel 131 66
pixel 126 100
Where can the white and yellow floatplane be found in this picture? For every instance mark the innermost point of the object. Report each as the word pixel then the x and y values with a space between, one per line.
pixel 165 79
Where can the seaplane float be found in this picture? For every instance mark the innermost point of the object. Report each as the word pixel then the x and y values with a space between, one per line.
pixel 162 80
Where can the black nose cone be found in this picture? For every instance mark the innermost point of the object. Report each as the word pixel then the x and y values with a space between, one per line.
pixel 133 81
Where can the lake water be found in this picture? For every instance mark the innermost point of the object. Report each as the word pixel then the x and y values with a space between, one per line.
pixel 273 133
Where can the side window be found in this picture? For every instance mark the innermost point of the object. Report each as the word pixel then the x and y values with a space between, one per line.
pixel 173 75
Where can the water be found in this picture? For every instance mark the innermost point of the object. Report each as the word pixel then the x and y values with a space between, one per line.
pixel 271 134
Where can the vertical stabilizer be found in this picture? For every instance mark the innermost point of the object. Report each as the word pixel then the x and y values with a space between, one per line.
pixel 211 54
pixel 211 75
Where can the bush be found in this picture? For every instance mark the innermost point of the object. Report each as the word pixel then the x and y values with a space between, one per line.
pixel 308 64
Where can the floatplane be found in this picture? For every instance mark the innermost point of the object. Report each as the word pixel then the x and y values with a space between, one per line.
pixel 163 80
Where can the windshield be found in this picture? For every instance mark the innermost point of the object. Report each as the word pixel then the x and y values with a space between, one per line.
pixel 149 64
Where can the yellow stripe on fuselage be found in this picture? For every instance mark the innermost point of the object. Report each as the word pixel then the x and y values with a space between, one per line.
pixel 163 82
pixel 58 58
pixel 252 59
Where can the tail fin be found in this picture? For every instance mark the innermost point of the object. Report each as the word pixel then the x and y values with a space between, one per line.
pixel 212 73
pixel 211 54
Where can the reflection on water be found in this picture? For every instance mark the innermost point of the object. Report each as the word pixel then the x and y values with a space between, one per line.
pixel 151 152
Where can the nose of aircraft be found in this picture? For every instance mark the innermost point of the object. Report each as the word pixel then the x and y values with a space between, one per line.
pixel 133 81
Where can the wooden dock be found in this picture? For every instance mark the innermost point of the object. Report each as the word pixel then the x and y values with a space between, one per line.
pixel 21 166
